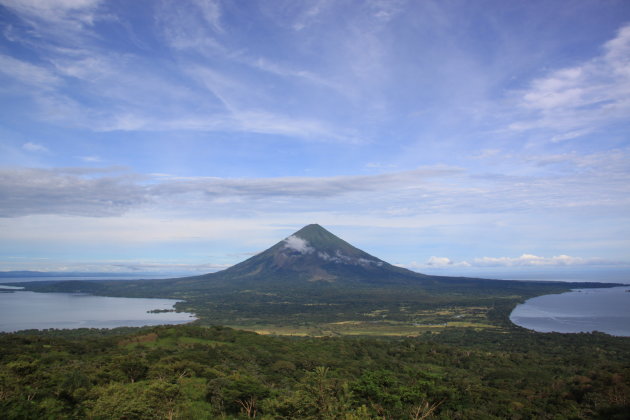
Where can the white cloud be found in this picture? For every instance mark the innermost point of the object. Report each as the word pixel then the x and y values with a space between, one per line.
pixel 434 263
pixel 444 262
pixel 85 65
pixel 308 13
pixel 487 153
pixel 90 159
pixel 34 147
pixel 379 165
pixel 314 187
pixel 29 74
pixel 245 107
pixel 607 165
pixel 96 192
pixel 386 10
pixel 598 182
pixel 439 261
pixel 287 72
pixel 141 101
pixel 525 260
pixel 211 12
pixel 123 90
pixel 67 191
pixel 577 100
pixel 192 25
pixel 298 244
pixel 530 260
pixel 51 9
pixel 56 18
pixel 272 123
pixel 570 135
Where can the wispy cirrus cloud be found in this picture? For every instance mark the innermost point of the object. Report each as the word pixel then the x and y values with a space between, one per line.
pixel 211 13
pixel 90 159
pixel 41 77
pixel 122 89
pixel 55 21
pixel 193 25
pixel 55 10
pixel 575 101
pixel 34 147
pixel 386 10
pixel 129 95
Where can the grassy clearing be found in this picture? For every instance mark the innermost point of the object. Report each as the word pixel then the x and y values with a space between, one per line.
pixel 379 323
pixel 361 328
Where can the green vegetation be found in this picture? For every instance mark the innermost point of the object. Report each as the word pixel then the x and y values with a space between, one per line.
pixel 195 372
pixel 307 308
pixel 343 335
pixel 325 286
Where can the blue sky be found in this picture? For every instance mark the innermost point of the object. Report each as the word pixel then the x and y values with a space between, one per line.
pixel 451 137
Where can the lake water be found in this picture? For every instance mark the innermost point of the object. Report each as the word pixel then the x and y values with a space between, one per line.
pixel 21 310
pixel 581 310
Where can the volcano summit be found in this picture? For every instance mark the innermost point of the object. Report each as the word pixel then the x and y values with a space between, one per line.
pixel 313 254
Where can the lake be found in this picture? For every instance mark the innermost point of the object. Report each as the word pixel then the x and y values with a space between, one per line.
pixel 22 310
pixel 581 310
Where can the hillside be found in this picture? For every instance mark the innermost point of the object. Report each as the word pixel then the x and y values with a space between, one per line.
pixel 313 282
pixel 309 256
pixel 194 373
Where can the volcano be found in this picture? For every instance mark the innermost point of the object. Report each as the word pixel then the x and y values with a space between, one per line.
pixel 309 260
pixel 310 265
pixel 313 254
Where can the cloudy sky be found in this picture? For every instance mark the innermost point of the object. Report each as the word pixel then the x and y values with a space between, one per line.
pixel 453 137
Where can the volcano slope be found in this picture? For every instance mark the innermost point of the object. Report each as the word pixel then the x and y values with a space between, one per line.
pixel 315 283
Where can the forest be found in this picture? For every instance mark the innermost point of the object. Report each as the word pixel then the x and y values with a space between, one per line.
pixel 277 338
pixel 207 372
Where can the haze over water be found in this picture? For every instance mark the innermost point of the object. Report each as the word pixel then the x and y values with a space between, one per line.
pixel 30 310
pixel 582 310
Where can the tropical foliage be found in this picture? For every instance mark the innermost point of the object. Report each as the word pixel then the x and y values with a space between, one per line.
pixel 195 372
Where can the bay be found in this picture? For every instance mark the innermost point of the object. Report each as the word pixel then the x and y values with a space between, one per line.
pixel 22 310
pixel 605 310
